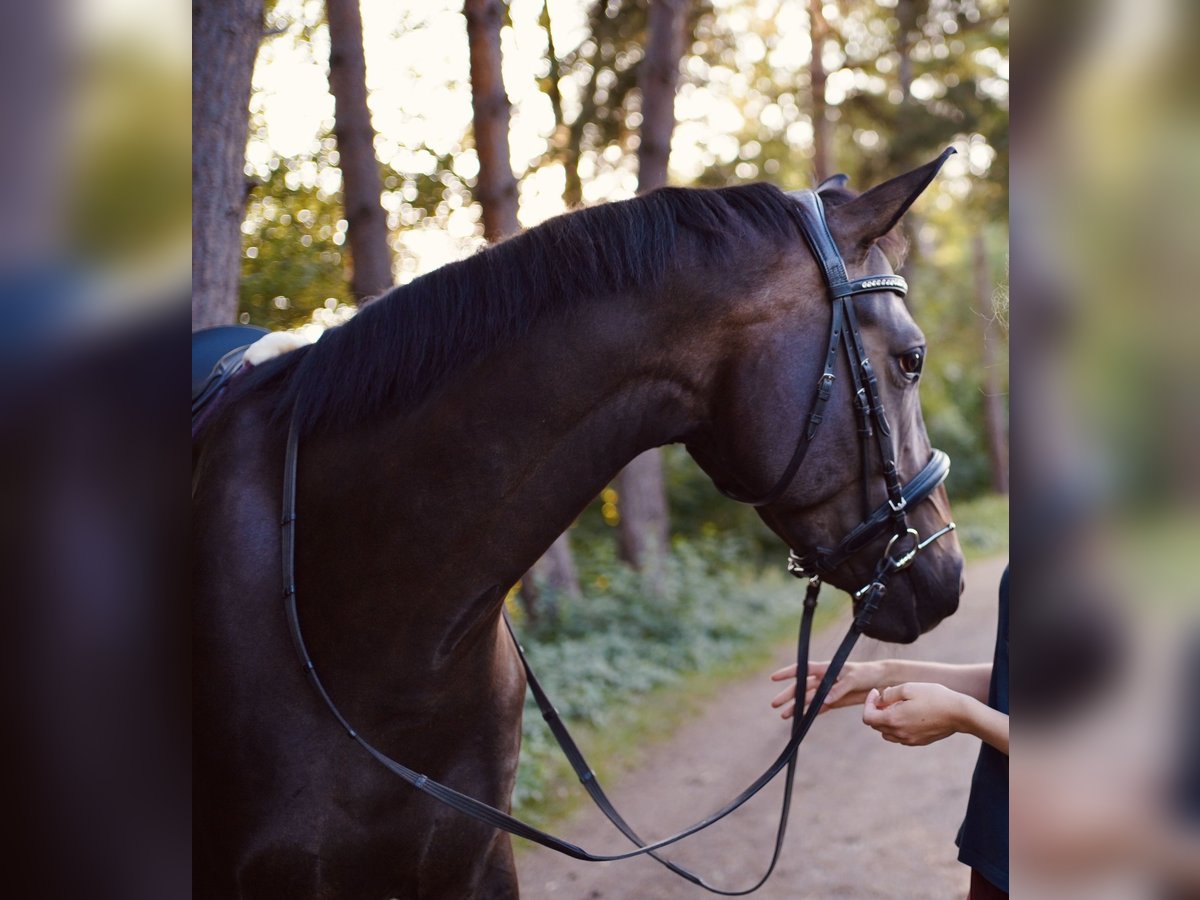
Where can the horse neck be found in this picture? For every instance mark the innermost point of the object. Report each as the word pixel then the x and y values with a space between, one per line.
pixel 457 499
pixel 535 431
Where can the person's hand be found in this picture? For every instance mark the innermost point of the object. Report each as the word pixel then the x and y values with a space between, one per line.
pixel 915 713
pixel 850 689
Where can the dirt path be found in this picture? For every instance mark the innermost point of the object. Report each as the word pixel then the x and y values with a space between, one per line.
pixel 869 819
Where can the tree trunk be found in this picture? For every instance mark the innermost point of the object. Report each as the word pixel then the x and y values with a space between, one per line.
pixel 553 576
pixel 995 415
pixel 822 130
pixel 657 78
pixel 225 38
pixel 906 15
pixel 495 188
pixel 567 137
pixel 573 190
pixel 643 532
pixel 910 225
pixel 496 191
pixel 362 185
pixel 555 73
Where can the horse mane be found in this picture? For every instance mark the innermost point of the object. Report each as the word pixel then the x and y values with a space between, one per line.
pixel 403 345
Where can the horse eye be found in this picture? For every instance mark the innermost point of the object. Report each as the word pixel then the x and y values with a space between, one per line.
pixel 911 362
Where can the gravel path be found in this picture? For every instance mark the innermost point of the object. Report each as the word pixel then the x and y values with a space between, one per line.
pixel 869 819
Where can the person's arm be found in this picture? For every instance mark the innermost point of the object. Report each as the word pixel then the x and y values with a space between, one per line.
pixel 987 724
pixel 919 713
pixel 857 678
pixel 971 679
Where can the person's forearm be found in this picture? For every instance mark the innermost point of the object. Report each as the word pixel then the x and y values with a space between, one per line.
pixel 987 724
pixel 971 680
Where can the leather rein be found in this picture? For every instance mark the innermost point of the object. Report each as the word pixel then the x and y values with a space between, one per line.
pixel 889 518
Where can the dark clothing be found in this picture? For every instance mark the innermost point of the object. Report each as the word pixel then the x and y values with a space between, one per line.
pixel 982 889
pixel 983 838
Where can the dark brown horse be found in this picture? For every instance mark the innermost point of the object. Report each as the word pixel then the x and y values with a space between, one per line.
pixel 449 433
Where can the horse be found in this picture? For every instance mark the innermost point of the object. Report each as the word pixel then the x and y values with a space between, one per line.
pixel 450 432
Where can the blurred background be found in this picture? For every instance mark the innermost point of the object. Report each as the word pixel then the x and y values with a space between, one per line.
pixel 1106 626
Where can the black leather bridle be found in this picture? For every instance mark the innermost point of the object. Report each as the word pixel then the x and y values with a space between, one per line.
pixel 888 519
pixel 873 426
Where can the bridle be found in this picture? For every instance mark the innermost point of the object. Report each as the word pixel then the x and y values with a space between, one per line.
pixel 873 426
pixel 889 518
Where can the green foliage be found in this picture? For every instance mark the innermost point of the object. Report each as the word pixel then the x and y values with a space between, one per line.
pixel 899 91
pixel 983 526
pixel 954 319
pixel 125 194
pixel 925 74
pixel 292 247
pixel 698 513
pixel 604 69
pixel 294 255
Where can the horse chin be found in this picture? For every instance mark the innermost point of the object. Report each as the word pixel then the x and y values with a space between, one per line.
pixel 893 626
pixel 916 601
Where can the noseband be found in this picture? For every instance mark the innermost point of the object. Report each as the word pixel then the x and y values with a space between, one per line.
pixel 888 518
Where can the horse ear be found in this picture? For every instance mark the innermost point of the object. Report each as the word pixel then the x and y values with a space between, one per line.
pixel 869 216
pixel 833 181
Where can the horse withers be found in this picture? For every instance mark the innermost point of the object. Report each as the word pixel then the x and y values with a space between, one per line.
pixel 450 432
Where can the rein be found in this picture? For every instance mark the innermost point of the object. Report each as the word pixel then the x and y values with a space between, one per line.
pixel 890 516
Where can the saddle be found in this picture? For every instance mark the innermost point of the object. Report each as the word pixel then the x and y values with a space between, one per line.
pixel 217 354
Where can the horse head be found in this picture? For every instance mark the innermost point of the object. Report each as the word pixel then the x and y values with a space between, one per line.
pixel 803 427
